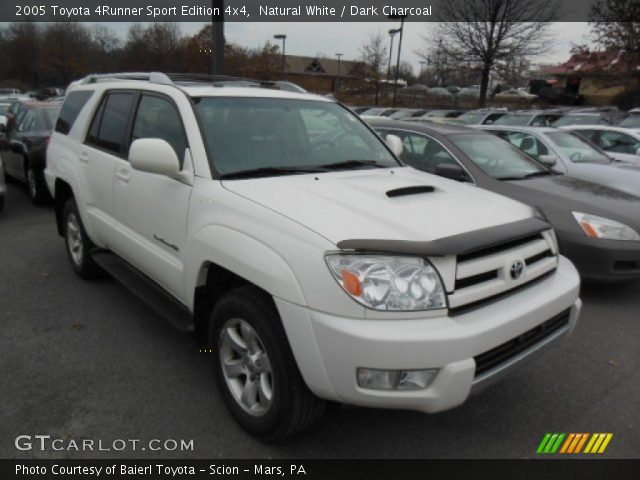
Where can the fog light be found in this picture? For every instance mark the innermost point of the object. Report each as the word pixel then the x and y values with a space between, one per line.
pixel 373 379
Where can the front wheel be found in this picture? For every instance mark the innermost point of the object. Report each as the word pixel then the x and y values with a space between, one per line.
pixel 254 367
pixel 78 243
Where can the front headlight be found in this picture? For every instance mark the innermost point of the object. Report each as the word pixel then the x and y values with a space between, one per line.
pixel 391 283
pixel 599 227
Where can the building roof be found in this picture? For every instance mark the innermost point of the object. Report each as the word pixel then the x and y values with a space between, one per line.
pixel 318 66
pixel 605 62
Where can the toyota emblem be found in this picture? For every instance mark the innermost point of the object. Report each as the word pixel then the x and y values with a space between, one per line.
pixel 516 269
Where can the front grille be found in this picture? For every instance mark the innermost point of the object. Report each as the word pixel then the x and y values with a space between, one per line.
pixel 502 353
pixel 487 274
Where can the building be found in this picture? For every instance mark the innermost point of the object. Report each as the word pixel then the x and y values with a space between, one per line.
pixel 318 74
pixel 598 76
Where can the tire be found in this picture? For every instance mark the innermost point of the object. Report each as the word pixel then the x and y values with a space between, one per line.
pixel 77 242
pixel 292 407
pixel 37 186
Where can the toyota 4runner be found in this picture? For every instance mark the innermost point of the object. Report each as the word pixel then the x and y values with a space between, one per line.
pixel 316 265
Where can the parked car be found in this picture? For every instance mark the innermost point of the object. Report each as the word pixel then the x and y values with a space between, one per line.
pixel 439 92
pixel 620 143
pixel 234 221
pixel 379 112
pixel 437 116
pixel 515 92
pixel 480 117
pixel 632 120
pixel 529 117
pixel 569 153
pixel 405 113
pixel 597 227
pixel 24 147
pixel 360 110
pixel 3 185
pixel 583 119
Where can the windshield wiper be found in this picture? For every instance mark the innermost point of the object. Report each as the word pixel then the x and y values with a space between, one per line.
pixel 268 172
pixel 528 175
pixel 353 164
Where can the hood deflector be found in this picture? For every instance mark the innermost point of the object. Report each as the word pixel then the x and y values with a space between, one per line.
pixel 404 191
pixel 461 244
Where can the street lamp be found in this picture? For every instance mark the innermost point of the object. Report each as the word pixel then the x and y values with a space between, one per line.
pixel 217 20
pixel 392 34
pixel 339 55
pixel 283 37
pixel 395 85
pixel 422 64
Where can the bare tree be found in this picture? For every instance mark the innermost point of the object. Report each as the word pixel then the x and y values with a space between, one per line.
pixel 483 32
pixel 374 56
pixel 106 45
pixel 616 24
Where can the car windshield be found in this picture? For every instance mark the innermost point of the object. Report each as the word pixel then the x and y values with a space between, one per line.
pixel 249 134
pixel 374 112
pixel 577 149
pixel 471 118
pixel 579 120
pixel 513 119
pixel 4 108
pixel 632 121
pixel 497 157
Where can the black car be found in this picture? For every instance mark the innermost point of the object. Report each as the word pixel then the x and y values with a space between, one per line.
pixel 597 226
pixel 24 146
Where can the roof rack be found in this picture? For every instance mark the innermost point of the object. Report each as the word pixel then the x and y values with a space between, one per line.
pixel 176 79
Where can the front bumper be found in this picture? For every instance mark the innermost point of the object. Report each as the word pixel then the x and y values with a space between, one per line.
pixel 602 260
pixel 329 349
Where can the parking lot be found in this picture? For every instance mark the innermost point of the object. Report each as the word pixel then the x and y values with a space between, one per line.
pixel 87 360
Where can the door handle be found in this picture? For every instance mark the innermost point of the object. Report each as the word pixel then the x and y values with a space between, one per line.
pixel 84 157
pixel 123 176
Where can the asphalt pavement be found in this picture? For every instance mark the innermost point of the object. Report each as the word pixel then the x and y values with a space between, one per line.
pixel 87 360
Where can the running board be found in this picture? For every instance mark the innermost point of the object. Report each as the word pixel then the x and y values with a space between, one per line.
pixel 159 300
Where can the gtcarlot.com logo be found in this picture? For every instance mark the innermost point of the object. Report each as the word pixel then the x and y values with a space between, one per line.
pixel 574 443
pixel 48 443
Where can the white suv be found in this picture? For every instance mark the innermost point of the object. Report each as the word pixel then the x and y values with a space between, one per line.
pixel 317 266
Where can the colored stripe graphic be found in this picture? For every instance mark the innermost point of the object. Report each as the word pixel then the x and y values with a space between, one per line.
pixel 574 443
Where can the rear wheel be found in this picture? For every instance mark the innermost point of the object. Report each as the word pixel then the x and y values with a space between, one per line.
pixel 254 367
pixel 38 191
pixel 78 244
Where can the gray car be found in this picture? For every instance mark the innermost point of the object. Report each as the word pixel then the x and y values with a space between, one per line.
pixel 569 153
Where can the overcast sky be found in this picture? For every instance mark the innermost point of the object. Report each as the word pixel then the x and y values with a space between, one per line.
pixel 328 39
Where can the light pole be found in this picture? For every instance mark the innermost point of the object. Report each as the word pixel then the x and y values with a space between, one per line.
pixel 392 34
pixel 218 37
pixel 395 85
pixel 422 64
pixel 283 37
pixel 339 55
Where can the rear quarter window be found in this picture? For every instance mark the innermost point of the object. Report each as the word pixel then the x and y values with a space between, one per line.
pixel 71 108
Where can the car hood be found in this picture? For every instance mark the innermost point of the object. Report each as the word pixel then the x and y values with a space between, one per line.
pixel 619 175
pixel 560 195
pixel 354 204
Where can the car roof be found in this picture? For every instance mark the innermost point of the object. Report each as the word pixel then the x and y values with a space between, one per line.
pixel 440 128
pixel 517 128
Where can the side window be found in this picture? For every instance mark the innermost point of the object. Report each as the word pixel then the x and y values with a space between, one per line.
pixel 27 121
pixel 619 143
pixel 113 117
pixel 71 107
pixel 426 153
pixel 158 118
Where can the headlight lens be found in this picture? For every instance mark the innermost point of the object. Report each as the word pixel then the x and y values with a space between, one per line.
pixel 599 227
pixel 386 282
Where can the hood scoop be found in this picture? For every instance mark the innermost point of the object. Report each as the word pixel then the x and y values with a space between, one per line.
pixel 405 191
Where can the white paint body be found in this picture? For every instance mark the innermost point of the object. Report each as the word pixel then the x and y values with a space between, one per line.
pixel 275 232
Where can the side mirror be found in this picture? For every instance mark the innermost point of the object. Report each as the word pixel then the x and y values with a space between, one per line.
pixel 154 155
pixel 452 172
pixel 549 160
pixel 395 144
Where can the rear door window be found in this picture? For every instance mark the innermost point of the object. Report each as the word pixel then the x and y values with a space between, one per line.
pixel 109 127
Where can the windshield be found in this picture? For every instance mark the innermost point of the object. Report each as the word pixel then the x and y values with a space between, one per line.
pixel 374 112
pixel 579 120
pixel 471 118
pixel 245 134
pixel 632 121
pixel 577 149
pixel 511 119
pixel 497 157
pixel 4 108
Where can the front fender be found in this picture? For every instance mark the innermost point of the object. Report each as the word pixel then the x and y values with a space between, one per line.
pixel 243 255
